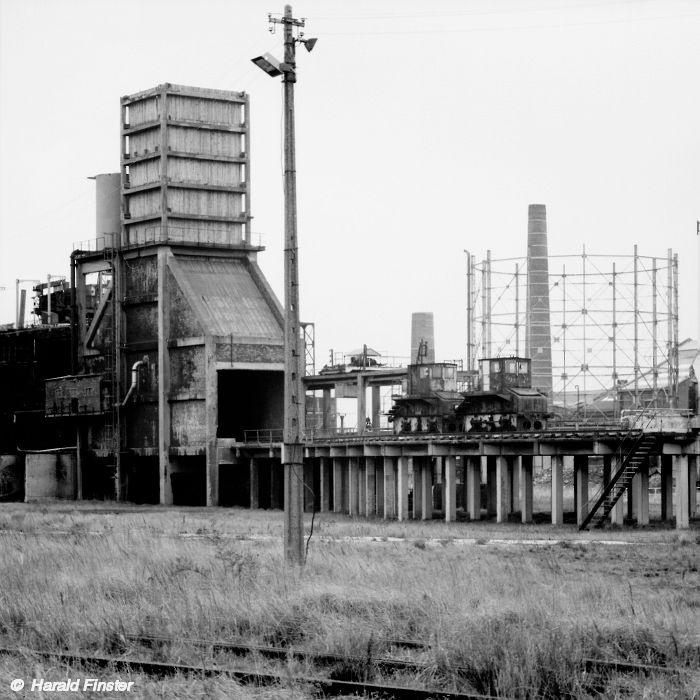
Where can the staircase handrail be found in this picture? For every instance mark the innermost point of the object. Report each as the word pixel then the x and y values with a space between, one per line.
pixel 637 435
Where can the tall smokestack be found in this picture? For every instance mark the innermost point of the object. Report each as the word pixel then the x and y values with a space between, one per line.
pixel 422 337
pixel 538 338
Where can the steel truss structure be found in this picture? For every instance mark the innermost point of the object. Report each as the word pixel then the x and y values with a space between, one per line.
pixel 614 324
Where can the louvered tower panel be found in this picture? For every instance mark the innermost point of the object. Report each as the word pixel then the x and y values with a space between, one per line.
pixel 185 167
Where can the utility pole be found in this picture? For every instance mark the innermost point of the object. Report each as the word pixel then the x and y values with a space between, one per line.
pixel 294 397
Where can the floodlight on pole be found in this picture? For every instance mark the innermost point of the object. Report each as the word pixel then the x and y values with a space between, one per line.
pixel 294 395
pixel 268 63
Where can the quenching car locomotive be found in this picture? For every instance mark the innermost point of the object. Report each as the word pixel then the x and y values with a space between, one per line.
pixel 502 398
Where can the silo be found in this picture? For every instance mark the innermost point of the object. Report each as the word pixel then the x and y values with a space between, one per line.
pixel 107 209
pixel 422 337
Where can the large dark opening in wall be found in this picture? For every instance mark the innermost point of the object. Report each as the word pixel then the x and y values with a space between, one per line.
pixel 250 400
pixel 189 481
pixel 234 485
pixel 142 480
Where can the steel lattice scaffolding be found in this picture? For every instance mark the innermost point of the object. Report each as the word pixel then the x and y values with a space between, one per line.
pixel 614 324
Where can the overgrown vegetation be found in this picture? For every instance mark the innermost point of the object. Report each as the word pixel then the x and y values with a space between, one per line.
pixel 513 620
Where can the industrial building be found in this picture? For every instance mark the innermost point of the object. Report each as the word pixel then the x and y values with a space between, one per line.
pixel 156 373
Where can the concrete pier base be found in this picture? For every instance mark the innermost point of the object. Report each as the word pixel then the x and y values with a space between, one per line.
pixel 426 477
pixel 472 485
pixel 339 489
pixel 402 488
pixel 682 496
pixel 389 488
pixel 416 475
pixel 503 487
pixel 581 487
pixel 362 487
pixel 557 490
pixel 379 485
pixel 370 487
pixel 526 482
pixel 692 485
pixel 354 486
pixel 326 483
pixel 450 489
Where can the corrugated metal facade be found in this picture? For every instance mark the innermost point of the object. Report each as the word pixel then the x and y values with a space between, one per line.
pixel 184 166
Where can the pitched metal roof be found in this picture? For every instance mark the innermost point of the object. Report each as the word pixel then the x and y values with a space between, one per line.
pixel 228 299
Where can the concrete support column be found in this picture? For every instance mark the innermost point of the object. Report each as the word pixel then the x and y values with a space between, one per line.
pixel 326 483
pixel 526 488
pixel 379 485
pixel 682 497
pixel 581 481
pixel 692 486
pixel 402 488
pixel 491 486
pixel 309 495
pixel 211 412
pixel 370 487
pixel 254 484
pixel 417 488
pixel 472 467
pixel 557 467
pixel 503 486
pixel 666 487
pixel 338 486
pixel 362 479
pixel 163 312
pixel 361 403
pixel 426 477
pixel 439 499
pixel 389 488
pixel 450 489
pixel 376 407
pixel 640 487
pixel 354 486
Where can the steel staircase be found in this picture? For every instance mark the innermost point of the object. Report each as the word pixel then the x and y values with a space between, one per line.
pixel 630 459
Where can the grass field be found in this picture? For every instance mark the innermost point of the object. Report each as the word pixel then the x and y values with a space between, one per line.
pixel 519 606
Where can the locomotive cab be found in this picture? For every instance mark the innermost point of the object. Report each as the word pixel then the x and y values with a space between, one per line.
pixel 503 398
pixel 430 400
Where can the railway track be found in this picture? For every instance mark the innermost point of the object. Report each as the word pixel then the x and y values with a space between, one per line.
pixel 323 686
pixel 597 670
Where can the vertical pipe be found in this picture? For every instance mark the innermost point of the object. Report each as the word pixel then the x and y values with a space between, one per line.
pixel 675 330
pixel 584 314
pixel 636 328
pixel 470 310
pixel 563 331
pixel 654 322
pixel 614 337
pixel 488 296
pixel 517 311
pixel 246 194
pixel 484 309
pixel 669 326
pixel 48 300
pixel 472 357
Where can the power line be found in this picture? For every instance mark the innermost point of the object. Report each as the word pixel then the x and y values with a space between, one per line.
pixel 475 30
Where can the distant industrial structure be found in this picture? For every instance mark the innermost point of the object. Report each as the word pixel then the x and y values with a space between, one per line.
pixel 602 331
pixel 156 372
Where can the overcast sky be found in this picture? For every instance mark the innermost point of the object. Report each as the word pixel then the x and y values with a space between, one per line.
pixel 423 128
